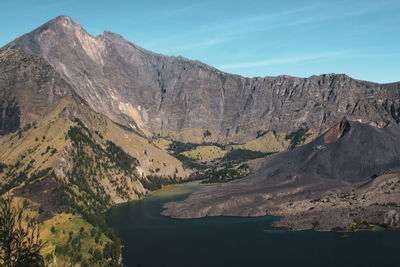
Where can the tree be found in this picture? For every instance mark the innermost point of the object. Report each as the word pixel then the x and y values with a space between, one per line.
pixel 19 246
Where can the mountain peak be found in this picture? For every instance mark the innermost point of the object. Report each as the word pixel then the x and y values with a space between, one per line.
pixel 63 21
pixel 63 27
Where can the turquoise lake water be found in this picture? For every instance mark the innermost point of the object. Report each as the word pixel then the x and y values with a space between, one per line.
pixel 150 239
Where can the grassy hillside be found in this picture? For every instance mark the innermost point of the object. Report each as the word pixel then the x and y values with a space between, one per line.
pixel 71 168
pixel 272 141
pixel 205 153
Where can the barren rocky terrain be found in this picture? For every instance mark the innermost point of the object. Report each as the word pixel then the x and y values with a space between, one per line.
pixel 346 176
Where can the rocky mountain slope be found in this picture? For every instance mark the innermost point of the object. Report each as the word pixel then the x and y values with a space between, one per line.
pixel 181 98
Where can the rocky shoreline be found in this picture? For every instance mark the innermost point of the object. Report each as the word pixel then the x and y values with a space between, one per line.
pixel 352 207
pixel 375 202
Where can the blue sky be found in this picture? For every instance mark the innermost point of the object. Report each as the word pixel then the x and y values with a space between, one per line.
pixel 250 38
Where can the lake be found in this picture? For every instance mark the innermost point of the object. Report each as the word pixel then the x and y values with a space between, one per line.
pixel 150 239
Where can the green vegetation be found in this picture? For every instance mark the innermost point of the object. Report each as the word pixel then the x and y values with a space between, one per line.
pixel 185 152
pixel 156 182
pixel 19 245
pixel 176 147
pixel 361 226
pixel 297 137
pixel 25 129
pixel 121 159
pixel 224 168
pixel 229 168
pixel 91 162
pixel 266 141
pixel 73 249
pixel 72 240
pixel 315 224
pixel 206 133
pixel 205 153
pixel 226 174
pixel 358 226
pixel 261 133
pixel 2 167
pixel 240 155
pixel 15 178
pixel 97 174
pixel 87 196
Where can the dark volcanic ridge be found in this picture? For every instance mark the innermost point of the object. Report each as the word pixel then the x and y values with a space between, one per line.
pixel 358 151
pixel 331 166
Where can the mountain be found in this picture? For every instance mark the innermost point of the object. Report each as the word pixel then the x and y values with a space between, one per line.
pixel 87 122
pixel 181 98
pixel 64 163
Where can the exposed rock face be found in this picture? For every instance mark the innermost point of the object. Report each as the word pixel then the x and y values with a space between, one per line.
pixel 166 95
pixel 379 123
pixel 9 119
pixel 392 218
pixel 337 132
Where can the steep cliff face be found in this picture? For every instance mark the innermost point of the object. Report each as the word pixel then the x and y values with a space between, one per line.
pixel 174 96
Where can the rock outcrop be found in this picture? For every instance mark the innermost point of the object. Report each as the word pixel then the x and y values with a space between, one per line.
pixel 392 218
pixel 337 132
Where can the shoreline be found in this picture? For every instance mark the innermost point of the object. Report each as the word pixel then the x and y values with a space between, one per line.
pixel 352 208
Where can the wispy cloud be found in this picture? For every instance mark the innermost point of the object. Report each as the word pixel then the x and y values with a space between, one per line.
pixel 228 29
pixel 190 46
pixel 278 61
pixel 307 15
pixel 314 15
